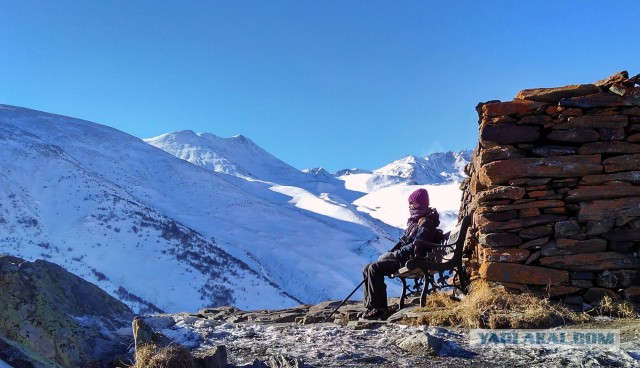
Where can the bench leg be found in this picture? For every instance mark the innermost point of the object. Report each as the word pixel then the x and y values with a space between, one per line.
pixel 404 292
pixel 425 291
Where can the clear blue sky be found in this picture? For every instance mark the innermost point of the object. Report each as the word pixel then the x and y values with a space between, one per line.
pixel 338 84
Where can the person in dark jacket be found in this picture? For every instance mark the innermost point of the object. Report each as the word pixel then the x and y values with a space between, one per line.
pixel 422 224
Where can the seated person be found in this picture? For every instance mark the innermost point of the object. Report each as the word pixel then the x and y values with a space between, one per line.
pixel 422 224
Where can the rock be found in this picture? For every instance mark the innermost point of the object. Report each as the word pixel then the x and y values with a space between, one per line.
pixel 501 192
pixel 499 240
pixel 595 294
pixel 210 358
pixel 554 95
pixel 505 255
pixel 604 99
pixel 499 172
pixel 566 228
pixel 610 147
pixel 507 134
pixel 594 121
pixel 536 232
pixel 622 163
pixel 623 235
pixel 574 135
pixel 421 344
pixel 516 107
pixel 582 246
pixel 591 261
pixel 554 291
pixel 493 226
pixel 590 193
pixel 60 316
pixel 616 78
pixel 632 294
pixel 548 151
pixel 632 177
pixel 522 274
pixel 609 208
pixel 500 153
pixel 599 227
pixel 612 134
pixel 617 279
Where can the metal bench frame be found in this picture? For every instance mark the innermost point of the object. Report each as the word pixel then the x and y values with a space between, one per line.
pixel 435 264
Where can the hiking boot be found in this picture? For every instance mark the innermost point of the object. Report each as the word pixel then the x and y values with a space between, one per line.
pixel 376 314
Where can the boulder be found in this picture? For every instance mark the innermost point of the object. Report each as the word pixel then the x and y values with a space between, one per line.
pixel 60 316
pixel 421 344
pixel 609 208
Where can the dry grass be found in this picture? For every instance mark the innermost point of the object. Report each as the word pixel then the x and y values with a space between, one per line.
pixel 494 307
pixel 172 356
pixel 614 308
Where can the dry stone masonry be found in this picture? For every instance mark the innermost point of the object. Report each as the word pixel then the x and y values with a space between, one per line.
pixel 554 191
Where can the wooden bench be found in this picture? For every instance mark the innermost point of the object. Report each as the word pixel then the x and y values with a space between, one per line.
pixel 443 260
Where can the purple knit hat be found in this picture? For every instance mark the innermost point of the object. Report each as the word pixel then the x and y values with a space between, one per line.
pixel 420 196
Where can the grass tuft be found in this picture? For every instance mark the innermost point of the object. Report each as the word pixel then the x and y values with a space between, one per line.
pixel 172 356
pixel 488 306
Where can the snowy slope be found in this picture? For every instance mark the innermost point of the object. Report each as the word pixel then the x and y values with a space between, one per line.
pixel 159 232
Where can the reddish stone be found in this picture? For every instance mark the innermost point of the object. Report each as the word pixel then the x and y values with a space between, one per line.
pixel 508 134
pixel 510 255
pixel 501 192
pixel 498 120
pixel 575 135
pixel 510 107
pixel 500 172
pixel 499 240
pixel 567 113
pixel 591 261
pixel 590 193
pixel 632 97
pixel 529 212
pixel 536 243
pixel 493 226
pixel 500 153
pixel 605 99
pixel 595 121
pixel 540 193
pixel 547 151
pixel 622 163
pixel 535 120
pixel 532 204
pixel 522 274
pixel 482 214
pixel 612 147
pixel 632 177
pixel 609 208
pixel 536 232
pixel 554 95
pixel 582 246
pixel 634 138
pixel 619 77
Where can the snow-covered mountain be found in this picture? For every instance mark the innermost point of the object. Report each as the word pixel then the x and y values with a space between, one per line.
pixel 240 227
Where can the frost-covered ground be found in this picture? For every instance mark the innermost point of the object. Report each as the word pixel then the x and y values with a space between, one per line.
pixel 378 345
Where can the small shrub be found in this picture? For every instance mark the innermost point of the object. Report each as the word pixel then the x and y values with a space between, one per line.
pixel 172 356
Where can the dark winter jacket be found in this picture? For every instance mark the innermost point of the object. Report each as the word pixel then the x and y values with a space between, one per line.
pixel 423 229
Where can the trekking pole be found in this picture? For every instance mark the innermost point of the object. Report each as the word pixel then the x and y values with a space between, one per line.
pixel 345 299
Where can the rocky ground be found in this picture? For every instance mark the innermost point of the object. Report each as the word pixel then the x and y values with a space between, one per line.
pixel 298 337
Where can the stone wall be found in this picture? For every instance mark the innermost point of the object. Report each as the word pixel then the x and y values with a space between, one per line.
pixel 554 191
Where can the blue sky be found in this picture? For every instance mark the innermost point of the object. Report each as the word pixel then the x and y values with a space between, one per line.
pixel 338 84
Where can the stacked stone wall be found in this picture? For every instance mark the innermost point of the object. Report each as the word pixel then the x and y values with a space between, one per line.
pixel 554 192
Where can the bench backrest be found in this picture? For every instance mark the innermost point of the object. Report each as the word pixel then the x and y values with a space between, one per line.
pixel 457 237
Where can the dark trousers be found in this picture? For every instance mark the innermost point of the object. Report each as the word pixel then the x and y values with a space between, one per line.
pixel 375 290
